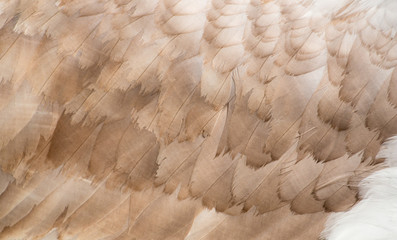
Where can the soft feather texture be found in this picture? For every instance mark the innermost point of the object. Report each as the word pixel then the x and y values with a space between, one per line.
pixel 375 216
pixel 173 119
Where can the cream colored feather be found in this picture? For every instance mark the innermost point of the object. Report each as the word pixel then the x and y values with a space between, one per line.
pixel 197 119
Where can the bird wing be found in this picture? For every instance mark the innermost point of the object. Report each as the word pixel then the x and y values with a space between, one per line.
pixel 167 119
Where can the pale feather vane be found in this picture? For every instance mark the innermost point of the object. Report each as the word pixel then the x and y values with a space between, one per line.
pixel 198 119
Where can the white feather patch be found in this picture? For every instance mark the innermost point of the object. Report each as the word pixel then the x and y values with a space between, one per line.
pixel 375 216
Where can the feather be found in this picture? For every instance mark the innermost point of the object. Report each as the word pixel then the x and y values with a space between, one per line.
pixel 259 188
pixel 392 85
pixel 335 175
pixel 176 219
pixel 136 165
pixel 183 119
pixel 295 178
pixel 103 156
pixel 17 113
pixel 374 215
pixel 177 96
pixel 244 129
pixel 28 141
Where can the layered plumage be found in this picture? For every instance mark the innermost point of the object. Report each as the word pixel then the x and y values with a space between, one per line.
pixel 211 119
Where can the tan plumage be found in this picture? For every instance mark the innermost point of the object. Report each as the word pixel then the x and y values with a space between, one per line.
pixel 186 119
